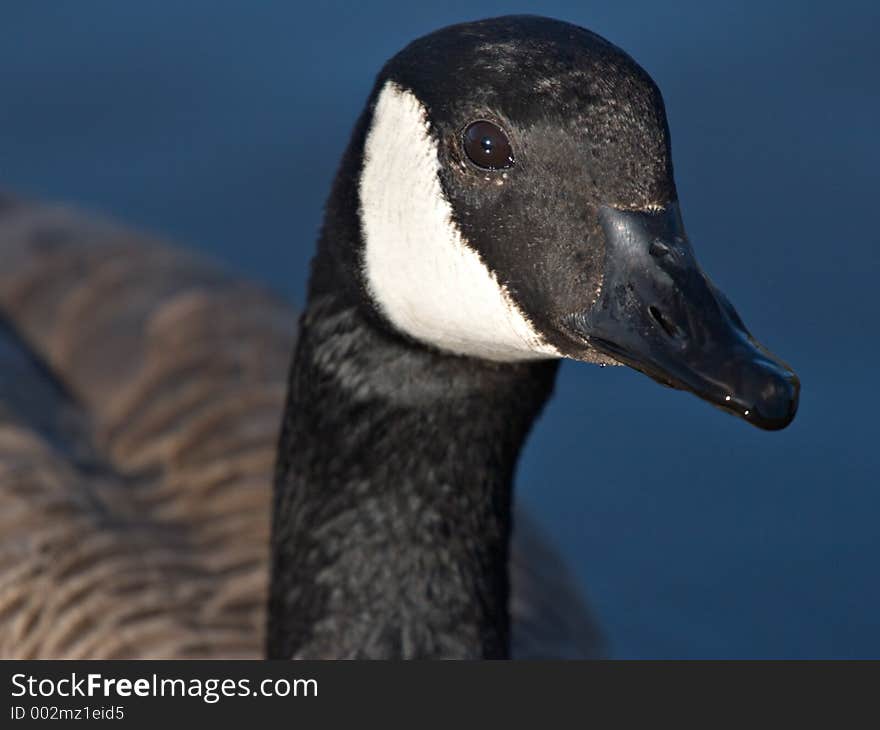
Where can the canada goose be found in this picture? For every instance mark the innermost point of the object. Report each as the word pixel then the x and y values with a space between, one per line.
pixel 506 200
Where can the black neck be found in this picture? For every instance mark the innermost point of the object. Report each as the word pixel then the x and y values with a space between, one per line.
pixel 391 516
pixel 393 494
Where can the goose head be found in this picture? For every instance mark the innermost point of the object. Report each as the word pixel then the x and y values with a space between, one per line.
pixel 516 202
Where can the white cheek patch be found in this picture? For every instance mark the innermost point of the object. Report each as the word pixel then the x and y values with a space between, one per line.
pixel 419 269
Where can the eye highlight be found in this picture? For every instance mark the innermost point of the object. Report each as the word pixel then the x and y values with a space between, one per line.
pixel 487 146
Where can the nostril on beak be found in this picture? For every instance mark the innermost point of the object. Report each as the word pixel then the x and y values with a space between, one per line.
pixel 668 327
pixel 658 249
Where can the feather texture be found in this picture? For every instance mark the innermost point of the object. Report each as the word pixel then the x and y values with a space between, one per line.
pixel 141 390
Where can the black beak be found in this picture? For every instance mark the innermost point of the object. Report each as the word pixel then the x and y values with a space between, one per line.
pixel 659 313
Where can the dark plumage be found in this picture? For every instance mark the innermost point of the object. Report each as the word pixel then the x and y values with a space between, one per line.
pixel 392 509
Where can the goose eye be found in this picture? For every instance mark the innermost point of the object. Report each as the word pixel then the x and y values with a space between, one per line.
pixel 487 145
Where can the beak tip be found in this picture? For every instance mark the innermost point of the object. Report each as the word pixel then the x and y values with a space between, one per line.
pixel 776 403
pixel 660 314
